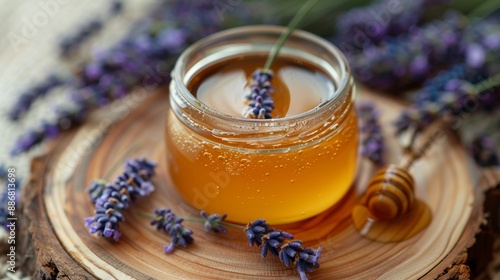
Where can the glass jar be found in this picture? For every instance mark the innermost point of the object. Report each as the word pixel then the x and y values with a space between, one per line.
pixel 282 169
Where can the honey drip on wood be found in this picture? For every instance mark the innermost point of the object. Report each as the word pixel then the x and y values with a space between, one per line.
pixel 402 228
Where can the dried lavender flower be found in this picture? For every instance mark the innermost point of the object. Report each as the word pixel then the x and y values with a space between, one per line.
pixel 67 117
pixel 256 230
pixel 111 199
pixel 289 251
pixel 407 60
pixel 371 24
pixel 141 166
pixel 26 99
pixel 167 221
pixel 71 42
pixel 484 150
pixel 213 222
pixel 373 145
pixel 105 222
pixel 448 106
pixel 96 190
pixel 133 181
pixel 272 242
pixel 260 102
pixel 306 259
pixel 451 91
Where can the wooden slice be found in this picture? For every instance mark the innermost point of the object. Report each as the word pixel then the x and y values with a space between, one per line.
pixel 59 204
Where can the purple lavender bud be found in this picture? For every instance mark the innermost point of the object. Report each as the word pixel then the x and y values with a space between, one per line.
pixel 261 104
pixel 172 39
pixel 400 62
pixel 167 221
pixel 26 99
pixel 289 252
pixel 256 230
pixel 372 146
pixel 96 190
pixel 308 261
pixel 105 222
pixel 213 222
pixel 272 242
pixel 68 44
pixel 475 56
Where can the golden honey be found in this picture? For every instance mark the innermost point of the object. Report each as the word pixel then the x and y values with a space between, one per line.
pixel 284 169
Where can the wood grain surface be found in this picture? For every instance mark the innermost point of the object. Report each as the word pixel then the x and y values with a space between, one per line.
pixel 443 181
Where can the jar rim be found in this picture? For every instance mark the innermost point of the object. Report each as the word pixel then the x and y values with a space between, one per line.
pixel 344 74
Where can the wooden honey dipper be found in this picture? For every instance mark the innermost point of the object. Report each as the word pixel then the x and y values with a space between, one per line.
pixel 389 203
pixel 391 191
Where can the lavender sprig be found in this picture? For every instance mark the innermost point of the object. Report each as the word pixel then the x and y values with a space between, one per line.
pixel 373 145
pixel 306 259
pixel 26 99
pixel 68 44
pixel 97 189
pixel 106 221
pixel 111 200
pixel 450 105
pixel 260 102
pixel 272 242
pixel 214 222
pixel 290 253
pixel 484 150
pixel 167 221
pixel 256 230
pixel 258 233
pixel 66 118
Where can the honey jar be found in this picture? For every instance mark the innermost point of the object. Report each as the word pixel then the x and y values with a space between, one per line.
pixel 287 168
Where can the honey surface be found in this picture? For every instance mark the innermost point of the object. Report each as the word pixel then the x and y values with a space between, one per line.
pixel 296 89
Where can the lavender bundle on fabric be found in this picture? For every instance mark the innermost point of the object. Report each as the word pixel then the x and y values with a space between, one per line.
pixel 410 59
pixel 453 92
pixel 372 24
pixel 71 42
pixel 143 59
pixel 29 96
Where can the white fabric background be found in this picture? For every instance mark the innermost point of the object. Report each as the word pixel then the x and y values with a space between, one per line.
pixel 27 57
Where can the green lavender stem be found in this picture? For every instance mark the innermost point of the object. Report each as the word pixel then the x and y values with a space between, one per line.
pixel 485 8
pixel 479 87
pixel 190 219
pixel 491 82
pixel 200 220
pixel 291 26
